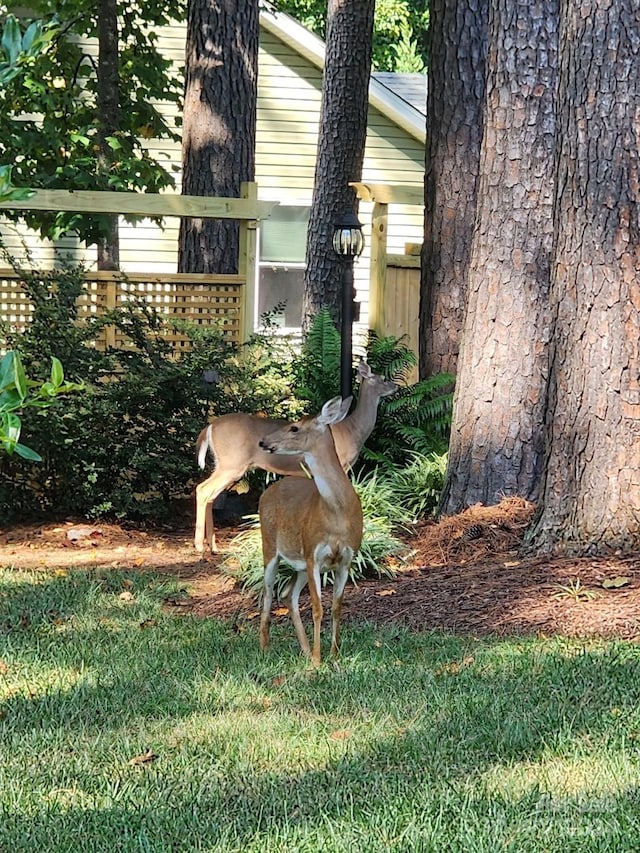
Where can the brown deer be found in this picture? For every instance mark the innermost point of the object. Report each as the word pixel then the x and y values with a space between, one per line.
pixel 313 525
pixel 234 439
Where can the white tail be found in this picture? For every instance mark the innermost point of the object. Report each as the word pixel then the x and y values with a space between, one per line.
pixel 233 441
pixel 313 525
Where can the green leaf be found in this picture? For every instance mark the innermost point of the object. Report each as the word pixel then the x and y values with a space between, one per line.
pixel 32 33
pixel 57 372
pixel 27 453
pixel 11 427
pixel 12 39
pixel 12 374
pixel 10 400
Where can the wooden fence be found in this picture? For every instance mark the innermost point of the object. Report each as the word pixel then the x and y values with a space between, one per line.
pixel 221 300
pixel 206 300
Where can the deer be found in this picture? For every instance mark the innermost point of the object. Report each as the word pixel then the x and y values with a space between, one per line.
pixel 314 525
pixel 234 441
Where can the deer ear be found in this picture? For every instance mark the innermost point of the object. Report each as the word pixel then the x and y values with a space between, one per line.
pixel 363 369
pixel 334 410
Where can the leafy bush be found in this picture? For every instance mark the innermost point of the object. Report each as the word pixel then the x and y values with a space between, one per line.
pixel 126 447
pixel 18 393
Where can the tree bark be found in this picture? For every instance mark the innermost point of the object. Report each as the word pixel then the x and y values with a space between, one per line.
pixel 108 99
pixel 590 496
pixel 458 47
pixel 343 130
pixel 219 126
pixel 499 405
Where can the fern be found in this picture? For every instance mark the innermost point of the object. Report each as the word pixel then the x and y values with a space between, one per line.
pixel 416 419
pixel 318 367
pixel 389 356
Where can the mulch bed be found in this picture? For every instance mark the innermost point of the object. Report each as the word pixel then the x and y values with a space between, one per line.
pixel 464 576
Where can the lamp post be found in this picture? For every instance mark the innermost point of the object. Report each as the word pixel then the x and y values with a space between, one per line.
pixel 348 244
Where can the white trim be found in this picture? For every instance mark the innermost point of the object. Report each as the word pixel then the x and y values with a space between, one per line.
pixel 309 45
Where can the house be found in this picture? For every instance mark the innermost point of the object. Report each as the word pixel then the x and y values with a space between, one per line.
pixel 289 97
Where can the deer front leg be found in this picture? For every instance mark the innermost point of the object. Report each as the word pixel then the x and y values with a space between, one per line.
pixel 270 572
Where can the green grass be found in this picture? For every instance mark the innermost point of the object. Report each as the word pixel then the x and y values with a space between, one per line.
pixel 413 742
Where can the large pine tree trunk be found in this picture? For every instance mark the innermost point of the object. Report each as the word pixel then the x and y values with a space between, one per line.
pixel 590 496
pixel 497 431
pixel 455 100
pixel 108 82
pixel 343 130
pixel 219 127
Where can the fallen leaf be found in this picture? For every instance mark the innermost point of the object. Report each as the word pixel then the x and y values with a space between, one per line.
pixel 61 573
pixel 139 561
pixel 4 668
pixel 279 680
pixel 615 583
pixel 341 734
pixel 382 592
pixel 148 623
pixel 126 596
pixel 511 563
pixel 280 611
pixel 145 758
pixel 127 583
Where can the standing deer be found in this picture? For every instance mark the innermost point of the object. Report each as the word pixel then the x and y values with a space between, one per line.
pixel 234 439
pixel 314 525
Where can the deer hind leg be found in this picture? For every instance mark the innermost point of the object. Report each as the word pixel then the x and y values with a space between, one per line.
pixel 339 583
pixel 206 493
pixel 270 571
pixel 292 599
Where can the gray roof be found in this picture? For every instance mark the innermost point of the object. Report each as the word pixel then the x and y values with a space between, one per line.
pixel 412 88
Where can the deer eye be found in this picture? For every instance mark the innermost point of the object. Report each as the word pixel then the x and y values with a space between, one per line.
pixel 293 429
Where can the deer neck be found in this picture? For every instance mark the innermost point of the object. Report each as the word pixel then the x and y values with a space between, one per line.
pixel 329 477
pixel 363 418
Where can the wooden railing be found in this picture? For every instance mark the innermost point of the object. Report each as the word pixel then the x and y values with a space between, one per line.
pixel 222 300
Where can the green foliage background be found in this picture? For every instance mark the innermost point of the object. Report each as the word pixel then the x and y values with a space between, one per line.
pixel 49 121
pixel 124 447
pixel 400 30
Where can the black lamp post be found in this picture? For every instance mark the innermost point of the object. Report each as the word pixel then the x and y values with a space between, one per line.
pixel 348 243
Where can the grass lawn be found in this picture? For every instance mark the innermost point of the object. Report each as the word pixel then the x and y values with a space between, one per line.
pixel 127 728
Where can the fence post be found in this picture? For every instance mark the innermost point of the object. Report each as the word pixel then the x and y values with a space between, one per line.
pixel 247 260
pixel 111 300
pixel 378 274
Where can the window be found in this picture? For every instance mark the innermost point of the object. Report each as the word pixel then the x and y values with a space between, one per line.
pixel 283 243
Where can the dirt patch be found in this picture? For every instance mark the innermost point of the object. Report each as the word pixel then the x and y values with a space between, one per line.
pixel 465 576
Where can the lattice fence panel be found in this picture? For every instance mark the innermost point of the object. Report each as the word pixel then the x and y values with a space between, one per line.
pixel 205 300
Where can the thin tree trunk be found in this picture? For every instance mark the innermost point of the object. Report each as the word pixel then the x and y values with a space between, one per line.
pixel 455 100
pixel 343 130
pixel 108 116
pixel 590 496
pixel 497 432
pixel 219 127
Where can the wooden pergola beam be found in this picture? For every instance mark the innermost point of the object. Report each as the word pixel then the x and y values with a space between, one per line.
pixel 144 204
